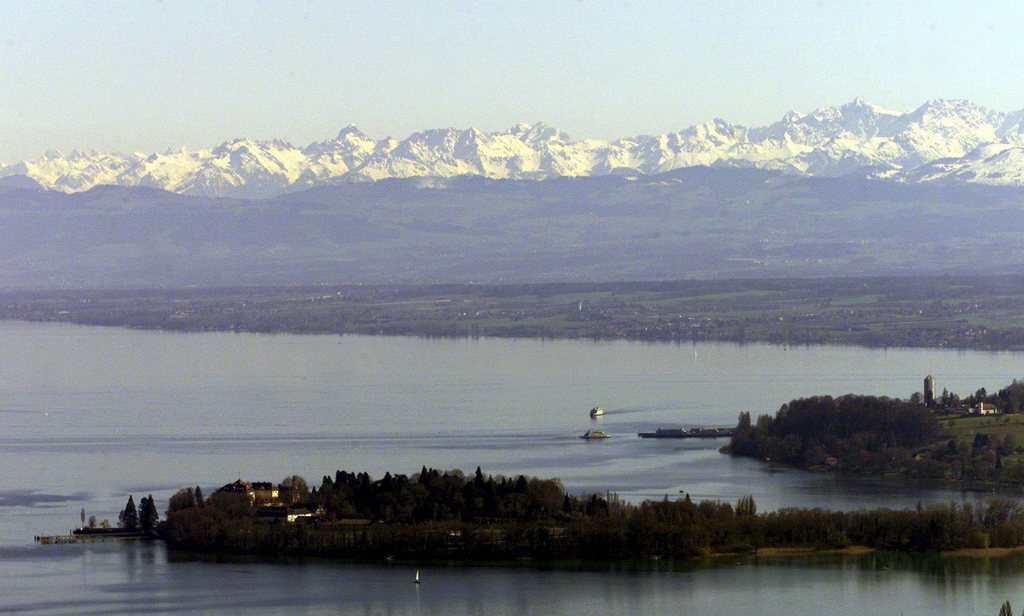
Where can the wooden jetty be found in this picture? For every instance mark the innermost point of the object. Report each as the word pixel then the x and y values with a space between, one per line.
pixel 90 536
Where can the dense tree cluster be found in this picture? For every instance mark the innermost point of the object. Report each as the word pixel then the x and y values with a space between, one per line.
pixel 878 435
pixel 142 519
pixel 185 498
pixel 439 514
pixel 856 433
pixel 433 495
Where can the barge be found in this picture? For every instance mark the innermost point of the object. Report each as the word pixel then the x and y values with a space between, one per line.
pixel 689 433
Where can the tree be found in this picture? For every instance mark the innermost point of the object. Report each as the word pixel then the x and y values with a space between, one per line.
pixel 744 421
pixel 81 516
pixel 182 499
pixel 92 521
pixel 1006 610
pixel 148 515
pixel 199 497
pixel 746 507
pixel 296 487
pixel 128 519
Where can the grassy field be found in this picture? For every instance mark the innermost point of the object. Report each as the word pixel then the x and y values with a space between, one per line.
pixel 964 428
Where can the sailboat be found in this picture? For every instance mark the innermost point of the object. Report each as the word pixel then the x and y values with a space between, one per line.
pixel 417 576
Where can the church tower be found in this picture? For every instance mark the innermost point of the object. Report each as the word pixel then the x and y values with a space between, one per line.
pixel 929 390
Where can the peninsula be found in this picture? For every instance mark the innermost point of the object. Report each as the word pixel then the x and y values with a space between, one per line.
pixel 977 440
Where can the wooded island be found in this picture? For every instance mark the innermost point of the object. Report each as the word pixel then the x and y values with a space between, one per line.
pixel 436 514
pixel 448 515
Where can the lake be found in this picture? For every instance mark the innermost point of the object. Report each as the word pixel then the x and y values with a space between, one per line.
pixel 89 415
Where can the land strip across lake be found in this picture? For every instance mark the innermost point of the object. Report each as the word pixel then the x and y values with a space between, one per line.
pixel 921 311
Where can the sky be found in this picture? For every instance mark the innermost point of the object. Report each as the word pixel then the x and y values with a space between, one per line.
pixel 152 75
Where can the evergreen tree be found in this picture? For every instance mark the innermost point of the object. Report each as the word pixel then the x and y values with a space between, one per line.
pixel 148 515
pixel 199 497
pixel 128 519
pixel 1006 610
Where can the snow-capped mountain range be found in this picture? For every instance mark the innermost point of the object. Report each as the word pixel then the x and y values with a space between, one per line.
pixel 942 140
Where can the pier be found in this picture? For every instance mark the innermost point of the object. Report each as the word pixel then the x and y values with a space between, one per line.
pixel 92 536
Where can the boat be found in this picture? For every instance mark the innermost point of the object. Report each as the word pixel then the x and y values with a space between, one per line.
pixel 691 433
pixel 417 576
pixel 596 411
pixel 593 434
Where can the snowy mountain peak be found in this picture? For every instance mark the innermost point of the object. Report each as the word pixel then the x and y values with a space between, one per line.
pixel 350 132
pixel 538 133
pixel 941 140
pixel 860 105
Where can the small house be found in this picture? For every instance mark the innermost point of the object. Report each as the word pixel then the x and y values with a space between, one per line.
pixel 239 488
pixel 984 408
pixel 264 493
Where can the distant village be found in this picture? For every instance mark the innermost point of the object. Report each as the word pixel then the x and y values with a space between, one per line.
pixel 1009 399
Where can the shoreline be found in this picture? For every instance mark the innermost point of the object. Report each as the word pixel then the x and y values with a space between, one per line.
pixel 973 486
pixel 872 312
pixel 426 335
pixel 801 551
pixel 598 563
pixel 982 552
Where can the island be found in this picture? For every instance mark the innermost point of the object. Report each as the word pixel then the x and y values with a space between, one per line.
pixel 450 515
pixel 438 515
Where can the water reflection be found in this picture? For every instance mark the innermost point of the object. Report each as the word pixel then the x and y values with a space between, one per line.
pixel 95 413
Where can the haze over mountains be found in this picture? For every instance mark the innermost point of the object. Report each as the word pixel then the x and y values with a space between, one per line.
pixel 946 141
pixel 698 222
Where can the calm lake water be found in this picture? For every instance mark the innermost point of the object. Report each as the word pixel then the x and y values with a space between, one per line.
pixel 88 415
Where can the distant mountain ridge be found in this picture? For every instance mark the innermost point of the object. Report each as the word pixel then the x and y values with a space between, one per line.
pixel 946 141
pixel 695 222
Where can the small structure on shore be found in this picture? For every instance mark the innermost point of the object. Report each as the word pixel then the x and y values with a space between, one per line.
pixel 984 408
pixel 288 514
pixel 260 493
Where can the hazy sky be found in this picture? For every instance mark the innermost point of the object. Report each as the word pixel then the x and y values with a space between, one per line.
pixel 145 75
